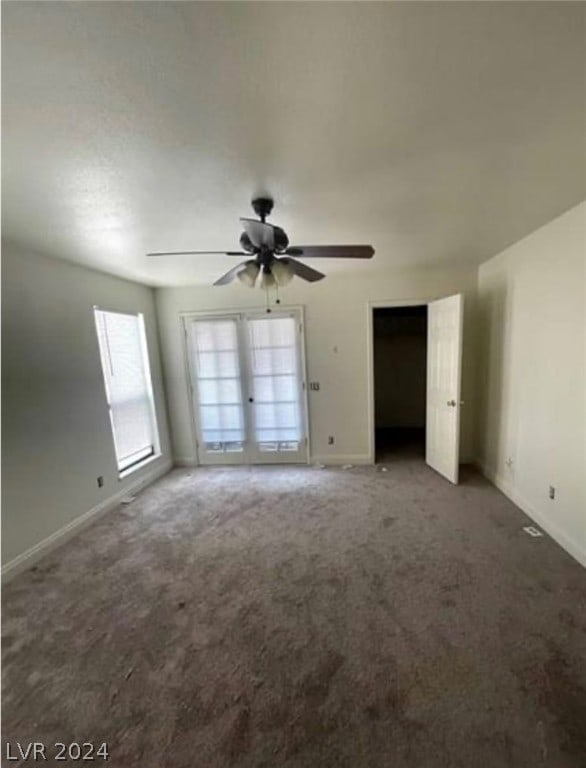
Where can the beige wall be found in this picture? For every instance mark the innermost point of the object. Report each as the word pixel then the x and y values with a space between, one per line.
pixel 532 414
pixel 56 436
pixel 336 345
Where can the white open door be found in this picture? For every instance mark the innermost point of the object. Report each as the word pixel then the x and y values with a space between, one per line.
pixel 444 368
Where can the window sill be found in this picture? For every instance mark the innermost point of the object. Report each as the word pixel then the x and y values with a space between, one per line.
pixel 136 467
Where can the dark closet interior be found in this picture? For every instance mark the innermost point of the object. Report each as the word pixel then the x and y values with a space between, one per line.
pixel 400 363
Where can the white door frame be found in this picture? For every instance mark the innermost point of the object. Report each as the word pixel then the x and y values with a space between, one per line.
pixel 371 306
pixel 187 316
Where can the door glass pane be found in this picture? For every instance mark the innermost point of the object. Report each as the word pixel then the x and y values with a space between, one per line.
pixel 277 421
pixel 218 364
pixel 275 388
pixel 221 413
pixel 212 391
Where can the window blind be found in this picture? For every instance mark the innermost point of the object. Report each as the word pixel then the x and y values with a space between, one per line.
pixel 275 375
pixel 218 381
pixel 128 385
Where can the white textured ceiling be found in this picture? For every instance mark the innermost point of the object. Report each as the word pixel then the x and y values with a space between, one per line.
pixel 435 131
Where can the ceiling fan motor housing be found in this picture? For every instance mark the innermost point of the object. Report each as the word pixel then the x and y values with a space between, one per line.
pixel 281 240
pixel 246 243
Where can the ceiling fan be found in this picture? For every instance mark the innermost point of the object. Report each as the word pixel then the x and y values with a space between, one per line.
pixel 269 245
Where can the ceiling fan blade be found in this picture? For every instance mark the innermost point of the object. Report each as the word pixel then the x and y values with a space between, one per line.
pixel 196 253
pixel 303 271
pixel 332 251
pixel 261 235
pixel 230 275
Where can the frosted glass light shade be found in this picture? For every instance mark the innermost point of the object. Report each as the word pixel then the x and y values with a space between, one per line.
pixel 267 280
pixel 282 271
pixel 249 274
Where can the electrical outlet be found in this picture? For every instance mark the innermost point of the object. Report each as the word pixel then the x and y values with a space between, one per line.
pixel 314 386
pixel 100 481
pixel 331 440
pixel 551 492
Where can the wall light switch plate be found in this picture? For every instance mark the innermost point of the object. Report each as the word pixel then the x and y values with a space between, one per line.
pixel 532 531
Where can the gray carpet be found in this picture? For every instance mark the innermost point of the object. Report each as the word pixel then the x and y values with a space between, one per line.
pixel 301 617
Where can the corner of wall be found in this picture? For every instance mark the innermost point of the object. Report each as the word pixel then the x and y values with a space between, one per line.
pixel 32 555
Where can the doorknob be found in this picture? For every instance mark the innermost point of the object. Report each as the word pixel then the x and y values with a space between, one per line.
pixel 452 403
pixel 251 399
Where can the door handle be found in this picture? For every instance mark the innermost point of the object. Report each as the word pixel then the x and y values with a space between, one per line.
pixel 452 403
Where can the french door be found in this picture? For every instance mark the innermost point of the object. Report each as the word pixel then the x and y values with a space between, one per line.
pixel 248 386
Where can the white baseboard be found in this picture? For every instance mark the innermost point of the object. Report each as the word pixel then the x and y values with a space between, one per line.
pixel 337 459
pixel 31 556
pixel 544 522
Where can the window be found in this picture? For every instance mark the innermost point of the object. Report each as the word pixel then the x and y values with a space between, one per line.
pixel 127 378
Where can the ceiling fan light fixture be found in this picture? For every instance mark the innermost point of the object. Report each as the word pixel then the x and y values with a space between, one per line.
pixel 267 279
pixel 248 275
pixel 283 271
